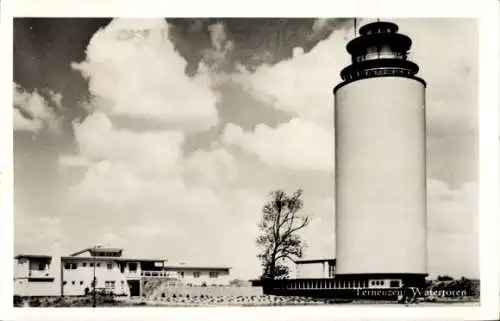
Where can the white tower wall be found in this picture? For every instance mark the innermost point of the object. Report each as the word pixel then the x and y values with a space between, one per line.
pixel 381 176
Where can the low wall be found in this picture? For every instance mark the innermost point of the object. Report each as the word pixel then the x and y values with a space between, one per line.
pixel 158 289
pixel 25 288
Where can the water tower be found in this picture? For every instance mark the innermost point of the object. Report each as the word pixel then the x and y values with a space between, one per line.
pixel 380 159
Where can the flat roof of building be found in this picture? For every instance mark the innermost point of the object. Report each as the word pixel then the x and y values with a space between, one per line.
pixel 127 259
pixel 308 261
pixel 111 258
pixel 34 256
pixel 196 267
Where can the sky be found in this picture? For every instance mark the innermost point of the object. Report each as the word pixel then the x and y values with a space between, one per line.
pixel 167 143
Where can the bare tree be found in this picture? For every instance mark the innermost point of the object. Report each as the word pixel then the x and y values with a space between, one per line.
pixel 278 240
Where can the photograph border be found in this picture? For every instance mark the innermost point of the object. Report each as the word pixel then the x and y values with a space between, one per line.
pixel 486 11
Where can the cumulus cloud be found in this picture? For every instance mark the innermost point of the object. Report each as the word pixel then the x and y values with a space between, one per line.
pixel 322 27
pixel 144 177
pixel 203 207
pixel 71 161
pixel 33 112
pixel 143 77
pixel 221 45
pixel 298 85
pixel 298 144
pixel 155 152
pixel 215 168
pixel 194 222
pixel 182 197
pixel 216 60
pixel 135 71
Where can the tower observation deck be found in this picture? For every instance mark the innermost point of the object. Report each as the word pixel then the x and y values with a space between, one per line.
pixel 379 51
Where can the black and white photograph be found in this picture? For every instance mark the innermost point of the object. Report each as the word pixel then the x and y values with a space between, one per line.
pixel 246 162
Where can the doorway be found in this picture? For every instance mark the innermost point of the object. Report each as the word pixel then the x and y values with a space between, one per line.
pixel 134 287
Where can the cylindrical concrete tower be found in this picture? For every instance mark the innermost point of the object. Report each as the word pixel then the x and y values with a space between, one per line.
pixel 380 155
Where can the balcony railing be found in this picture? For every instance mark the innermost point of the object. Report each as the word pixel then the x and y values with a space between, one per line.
pixel 158 274
pixel 39 274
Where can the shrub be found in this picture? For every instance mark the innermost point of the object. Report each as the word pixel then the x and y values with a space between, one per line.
pixel 18 301
pixel 35 302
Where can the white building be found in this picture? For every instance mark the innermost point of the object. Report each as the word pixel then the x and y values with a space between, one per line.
pixel 45 275
pixel 315 269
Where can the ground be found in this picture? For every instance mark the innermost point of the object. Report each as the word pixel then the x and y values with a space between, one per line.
pixel 262 300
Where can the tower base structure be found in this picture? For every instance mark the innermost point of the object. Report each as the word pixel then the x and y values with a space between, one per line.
pixel 389 286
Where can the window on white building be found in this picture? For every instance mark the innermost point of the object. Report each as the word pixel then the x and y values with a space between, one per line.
pixel 394 284
pixel 98 265
pixel 110 266
pixel 41 267
pixel 109 284
pixel 81 282
pixel 181 274
pixel 132 267
pixel 84 264
pixel 196 275
pixel 213 275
